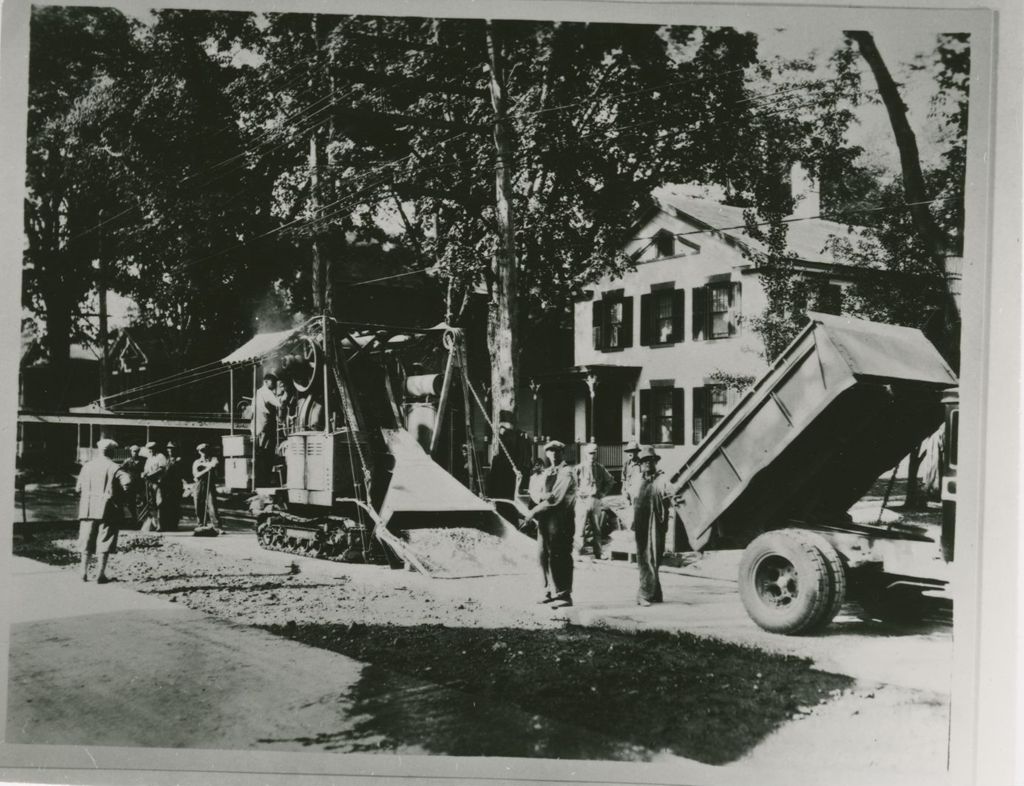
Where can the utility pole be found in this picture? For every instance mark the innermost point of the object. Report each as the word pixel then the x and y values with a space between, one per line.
pixel 502 317
pixel 322 273
pixel 101 281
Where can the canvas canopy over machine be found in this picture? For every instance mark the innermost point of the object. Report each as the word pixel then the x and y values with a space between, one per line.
pixel 842 405
pixel 373 463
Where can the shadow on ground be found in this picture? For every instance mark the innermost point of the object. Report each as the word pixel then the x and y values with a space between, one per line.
pixel 586 693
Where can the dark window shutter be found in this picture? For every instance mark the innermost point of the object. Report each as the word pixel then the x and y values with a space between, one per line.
pixel 646 319
pixel 598 319
pixel 735 307
pixel 645 417
pixel 699 408
pixel 678 419
pixel 627 322
pixel 700 313
pixel 679 315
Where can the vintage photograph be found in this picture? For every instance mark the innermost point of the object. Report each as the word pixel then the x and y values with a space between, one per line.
pixel 442 385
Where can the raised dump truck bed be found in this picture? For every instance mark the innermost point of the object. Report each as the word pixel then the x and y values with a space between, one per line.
pixel 842 405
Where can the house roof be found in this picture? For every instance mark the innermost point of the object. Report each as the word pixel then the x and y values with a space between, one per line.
pixel 806 238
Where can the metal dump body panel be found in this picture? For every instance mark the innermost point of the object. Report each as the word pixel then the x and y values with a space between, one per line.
pixel 844 403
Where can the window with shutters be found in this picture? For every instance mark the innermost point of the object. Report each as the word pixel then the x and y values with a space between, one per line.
pixel 661 414
pixel 661 315
pixel 718 403
pixel 718 310
pixel 613 323
pixel 661 406
pixel 664 316
pixel 711 403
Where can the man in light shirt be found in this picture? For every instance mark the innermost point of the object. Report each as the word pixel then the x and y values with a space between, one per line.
pixel 103 487
pixel 592 483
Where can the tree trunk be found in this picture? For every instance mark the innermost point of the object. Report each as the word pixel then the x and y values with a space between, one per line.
pixel 914 187
pixel 57 342
pixel 502 327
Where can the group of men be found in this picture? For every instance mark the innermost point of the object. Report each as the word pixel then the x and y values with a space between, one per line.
pixel 569 513
pixel 144 492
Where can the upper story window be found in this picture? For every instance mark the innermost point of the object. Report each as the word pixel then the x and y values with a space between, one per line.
pixel 717 310
pixel 661 315
pixel 613 322
pixel 720 306
pixel 665 243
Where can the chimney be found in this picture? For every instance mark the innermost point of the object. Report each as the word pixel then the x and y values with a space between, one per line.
pixel 805 191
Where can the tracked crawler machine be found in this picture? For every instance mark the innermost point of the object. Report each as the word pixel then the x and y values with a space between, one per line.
pixel 375 459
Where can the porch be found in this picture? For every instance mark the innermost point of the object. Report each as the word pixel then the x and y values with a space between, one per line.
pixel 580 404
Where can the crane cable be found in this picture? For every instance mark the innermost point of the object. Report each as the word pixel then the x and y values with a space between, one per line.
pixel 497 437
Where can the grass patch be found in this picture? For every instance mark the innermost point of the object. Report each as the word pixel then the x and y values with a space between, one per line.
pixel 707 700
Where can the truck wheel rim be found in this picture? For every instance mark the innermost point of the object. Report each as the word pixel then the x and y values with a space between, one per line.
pixel 775 579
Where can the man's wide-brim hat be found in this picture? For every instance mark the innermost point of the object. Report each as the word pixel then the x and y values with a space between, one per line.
pixel 150 445
pixel 202 446
pixel 589 447
pixel 554 445
pixel 632 447
pixel 647 454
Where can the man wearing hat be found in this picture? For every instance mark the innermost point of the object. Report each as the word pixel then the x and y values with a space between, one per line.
pixel 152 477
pixel 172 486
pixel 135 504
pixel 555 527
pixel 103 487
pixel 631 470
pixel 265 409
pixel 592 483
pixel 650 522
pixel 501 477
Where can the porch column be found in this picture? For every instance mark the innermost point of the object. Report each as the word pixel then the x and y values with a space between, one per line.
pixel 535 389
pixel 591 380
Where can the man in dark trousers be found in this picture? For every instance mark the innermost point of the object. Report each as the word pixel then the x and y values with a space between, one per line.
pixel 172 487
pixel 265 413
pixel 650 522
pixel 136 501
pixel 554 515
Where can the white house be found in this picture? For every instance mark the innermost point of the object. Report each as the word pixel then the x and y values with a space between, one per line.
pixel 649 344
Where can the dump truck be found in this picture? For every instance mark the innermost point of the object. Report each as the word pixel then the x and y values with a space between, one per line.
pixel 374 461
pixel 776 477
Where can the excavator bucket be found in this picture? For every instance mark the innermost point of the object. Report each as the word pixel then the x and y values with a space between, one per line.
pixel 438 526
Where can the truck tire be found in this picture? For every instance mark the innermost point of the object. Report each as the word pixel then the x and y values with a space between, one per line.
pixel 837 578
pixel 785 581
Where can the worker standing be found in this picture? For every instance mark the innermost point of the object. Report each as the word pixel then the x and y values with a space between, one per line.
pixel 152 477
pixel 172 487
pixel 265 408
pixel 135 502
pixel 554 515
pixel 103 487
pixel 650 523
pixel 592 483
pixel 631 471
